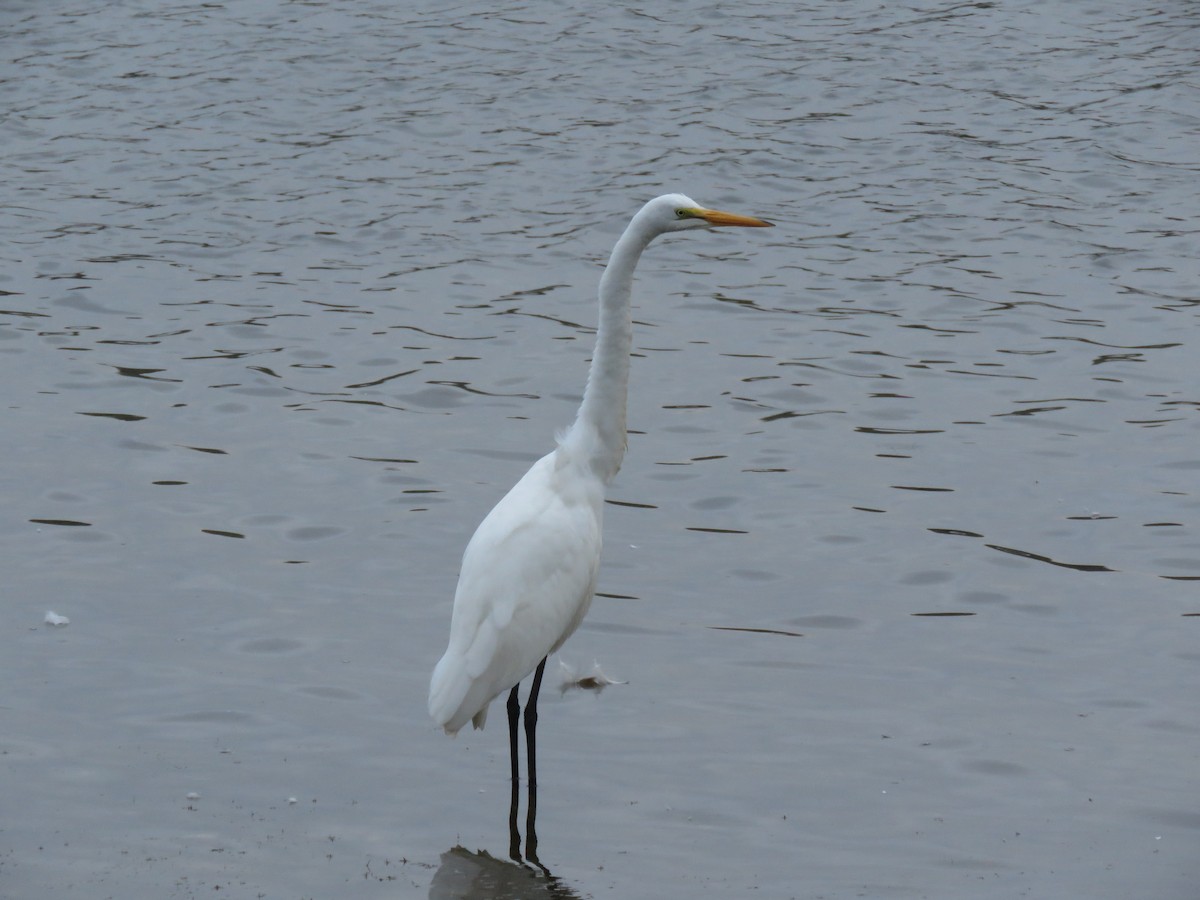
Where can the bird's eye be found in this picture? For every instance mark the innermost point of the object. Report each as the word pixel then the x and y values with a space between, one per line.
pixel 681 214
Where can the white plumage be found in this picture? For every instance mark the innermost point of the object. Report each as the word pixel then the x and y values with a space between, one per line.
pixel 529 572
pixel 526 583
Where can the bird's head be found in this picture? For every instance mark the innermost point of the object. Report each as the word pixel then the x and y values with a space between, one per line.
pixel 678 212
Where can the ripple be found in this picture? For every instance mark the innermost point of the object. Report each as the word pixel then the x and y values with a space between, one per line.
pixel 219 533
pixel 121 417
pixel 751 630
pixel 1079 567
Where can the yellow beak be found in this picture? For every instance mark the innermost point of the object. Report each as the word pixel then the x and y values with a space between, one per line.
pixel 716 217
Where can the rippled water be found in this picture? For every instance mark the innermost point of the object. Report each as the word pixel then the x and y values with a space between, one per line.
pixel 902 566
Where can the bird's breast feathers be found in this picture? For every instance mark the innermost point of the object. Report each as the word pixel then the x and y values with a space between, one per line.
pixel 531 566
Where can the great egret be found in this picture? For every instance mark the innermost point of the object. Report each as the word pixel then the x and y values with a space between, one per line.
pixel 529 571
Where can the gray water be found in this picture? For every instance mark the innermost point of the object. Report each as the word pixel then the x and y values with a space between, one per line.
pixel 901 571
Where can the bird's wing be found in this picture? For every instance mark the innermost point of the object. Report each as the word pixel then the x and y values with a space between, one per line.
pixel 526 582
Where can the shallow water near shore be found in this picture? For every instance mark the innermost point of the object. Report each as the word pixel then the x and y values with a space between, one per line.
pixel 901 573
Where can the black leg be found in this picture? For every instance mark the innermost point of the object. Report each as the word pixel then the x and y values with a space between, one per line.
pixel 514 714
pixel 531 718
pixel 531 757
pixel 514 836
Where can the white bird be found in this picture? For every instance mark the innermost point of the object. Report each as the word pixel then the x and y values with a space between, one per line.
pixel 529 572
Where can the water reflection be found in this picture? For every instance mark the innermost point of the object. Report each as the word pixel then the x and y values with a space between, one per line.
pixel 464 875
pixel 514 832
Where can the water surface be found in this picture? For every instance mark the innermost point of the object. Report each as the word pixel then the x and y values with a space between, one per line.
pixel 902 566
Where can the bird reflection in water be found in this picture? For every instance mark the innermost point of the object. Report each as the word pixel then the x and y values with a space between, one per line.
pixel 464 875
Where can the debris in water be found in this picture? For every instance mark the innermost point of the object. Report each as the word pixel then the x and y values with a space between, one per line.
pixel 594 680
pixel 53 618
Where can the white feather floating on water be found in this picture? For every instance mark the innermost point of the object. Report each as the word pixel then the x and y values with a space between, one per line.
pixel 53 618
pixel 594 680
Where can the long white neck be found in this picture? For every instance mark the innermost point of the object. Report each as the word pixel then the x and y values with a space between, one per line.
pixel 598 436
